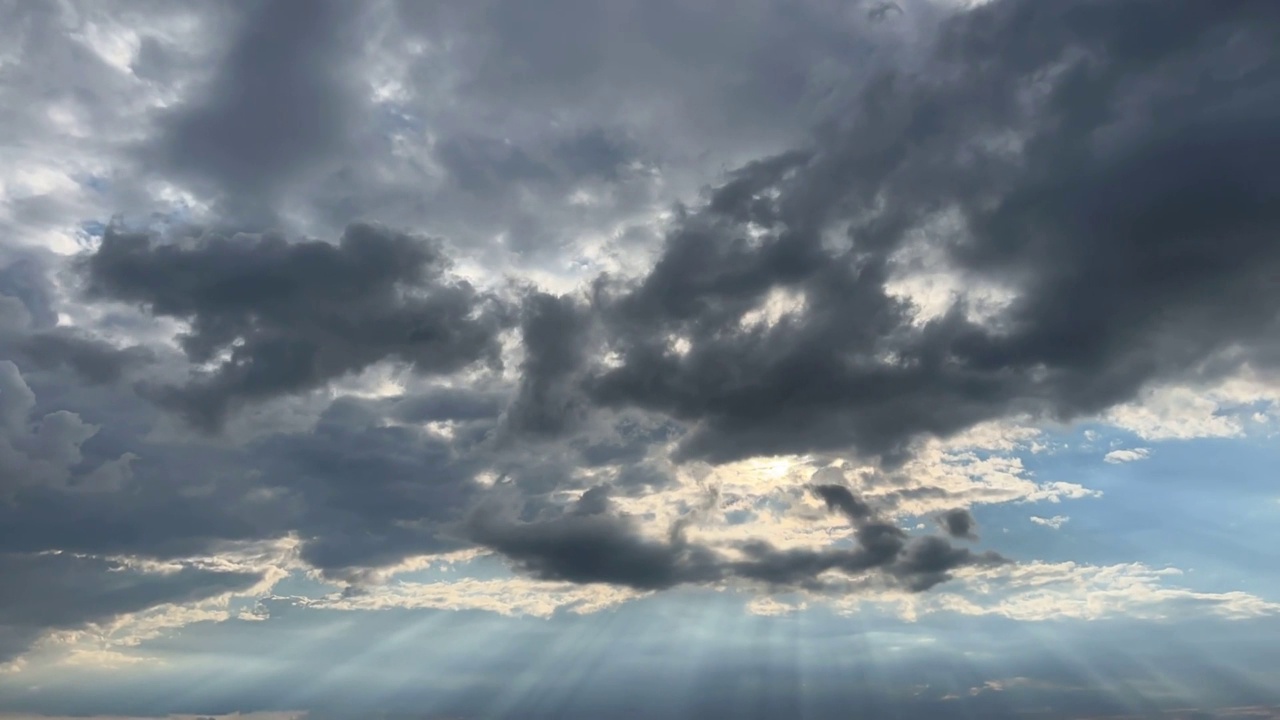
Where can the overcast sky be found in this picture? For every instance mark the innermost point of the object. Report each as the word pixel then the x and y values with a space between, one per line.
pixel 640 359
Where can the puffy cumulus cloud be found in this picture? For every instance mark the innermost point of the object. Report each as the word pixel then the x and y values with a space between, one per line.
pixel 591 544
pixel 363 494
pixel 31 334
pixel 1060 183
pixel 1229 407
pixel 274 318
pixel 46 451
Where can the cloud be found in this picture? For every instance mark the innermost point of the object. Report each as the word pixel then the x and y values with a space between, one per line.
pixel 283 103
pixel 958 523
pixel 841 499
pixel 1043 591
pixel 1056 522
pixel 710 296
pixel 61 591
pixel 274 318
pixel 30 333
pixel 590 544
pixel 1124 456
pixel 806 223
pixel 45 451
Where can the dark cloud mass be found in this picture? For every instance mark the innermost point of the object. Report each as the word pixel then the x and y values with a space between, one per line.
pixel 65 592
pixel 283 103
pixel 1139 249
pixel 291 317
pixel 605 249
pixel 589 544
pixel 958 523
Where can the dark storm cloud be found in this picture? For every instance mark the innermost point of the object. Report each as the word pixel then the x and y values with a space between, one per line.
pixel 28 332
pixel 284 101
pixel 554 331
pixel 958 523
pixel 83 478
pixel 295 316
pixel 93 360
pixel 24 278
pixel 1114 162
pixel 593 547
pixel 366 495
pixel 590 544
pixel 551 127
pixel 453 404
pixel 359 495
pixel 1110 160
pixel 914 563
pixel 840 498
pixel 45 592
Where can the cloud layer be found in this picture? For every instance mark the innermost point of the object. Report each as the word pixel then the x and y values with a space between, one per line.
pixel 628 296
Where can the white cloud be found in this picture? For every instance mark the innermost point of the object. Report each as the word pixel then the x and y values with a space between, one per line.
pixel 505 596
pixel 1116 457
pixel 1031 592
pixel 1186 413
pixel 1040 591
pixel 1056 522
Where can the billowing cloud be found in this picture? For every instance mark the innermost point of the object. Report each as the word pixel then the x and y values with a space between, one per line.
pixel 621 300
pixel 1126 455
pixel 275 318
pixel 589 544
pixel 1056 522
pixel 1004 170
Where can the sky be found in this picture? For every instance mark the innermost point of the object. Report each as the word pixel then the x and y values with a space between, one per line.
pixel 805 359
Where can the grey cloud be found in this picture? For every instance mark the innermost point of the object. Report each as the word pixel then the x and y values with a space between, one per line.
pixel 23 278
pixel 285 101
pixel 82 479
pixel 61 591
pixel 914 563
pixel 840 498
pixel 453 404
pixel 74 112
pixel 294 316
pixel 1106 159
pixel 1135 221
pixel 587 543
pixel 592 547
pixel 479 165
pixel 359 495
pixel 29 334
pixel 512 110
pixel 958 523
pixel 94 360
pixel 366 495
pixel 556 344
pixel 35 450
